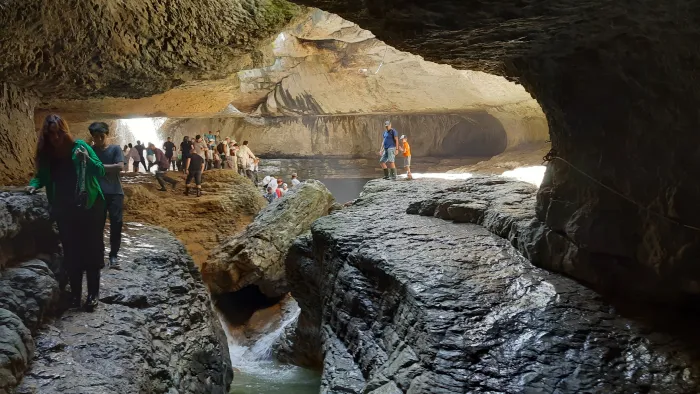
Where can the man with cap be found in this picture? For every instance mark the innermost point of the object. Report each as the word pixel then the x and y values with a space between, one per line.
pixel 295 180
pixel 405 148
pixel 390 142
pixel 112 159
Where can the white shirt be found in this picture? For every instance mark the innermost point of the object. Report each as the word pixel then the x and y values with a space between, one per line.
pixel 200 148
pixel 295 182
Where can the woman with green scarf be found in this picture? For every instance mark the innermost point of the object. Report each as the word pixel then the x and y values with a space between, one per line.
pixel 69 169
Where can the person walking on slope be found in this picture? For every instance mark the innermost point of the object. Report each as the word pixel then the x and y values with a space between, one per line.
pixel 134 156
pixel 163 165
pixel 405 148
pixel 170 149
pixel 113 161
pixel 245 155
pixel 140 148
pixel 70 171
pixel 390 141
pixel 193 169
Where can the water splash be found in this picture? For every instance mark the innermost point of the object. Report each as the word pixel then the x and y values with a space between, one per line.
pixel 256 369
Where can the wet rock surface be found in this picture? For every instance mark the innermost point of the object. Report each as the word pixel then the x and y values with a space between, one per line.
pixel 419 304
pixel 154 330
pixel 256 256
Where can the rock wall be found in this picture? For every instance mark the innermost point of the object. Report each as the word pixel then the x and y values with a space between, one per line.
pixel 17 136
pixel 413 304
pixel 477 133
pixel 617 86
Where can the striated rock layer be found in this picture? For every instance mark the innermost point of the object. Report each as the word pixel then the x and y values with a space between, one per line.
pixel 617 86
pixel 256 256
pixel 476 133
pixel 413 304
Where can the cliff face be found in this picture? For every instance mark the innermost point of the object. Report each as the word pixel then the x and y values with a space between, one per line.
pixel 476 133
pixel 616 85
pixel 411 304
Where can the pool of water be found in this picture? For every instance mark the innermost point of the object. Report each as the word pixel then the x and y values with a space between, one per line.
pixel 255 369
pixel 271 377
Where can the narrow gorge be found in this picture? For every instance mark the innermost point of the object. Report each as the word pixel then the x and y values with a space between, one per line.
pixel 545 240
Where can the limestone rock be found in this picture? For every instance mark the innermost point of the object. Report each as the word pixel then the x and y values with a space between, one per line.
pixel 154 330
pixel 26 229
pixel 256 256
pixel 17 141
pixel 16 350
pixel 419 304
pixel 28 290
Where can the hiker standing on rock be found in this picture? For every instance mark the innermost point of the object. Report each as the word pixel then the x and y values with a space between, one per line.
pixel 390 142
pixel 70 171
pixel 245 155
pixel 170 149
pixel 186 150
pixel 111 185
pixel 405 148
pixel 163 165
pixel 193 169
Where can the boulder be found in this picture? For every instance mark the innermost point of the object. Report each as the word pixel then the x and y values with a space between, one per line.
pixel 154 331
pixel 256 256
pixel 16 350
pixel 416 304
pixel 26 229
pixel 29 290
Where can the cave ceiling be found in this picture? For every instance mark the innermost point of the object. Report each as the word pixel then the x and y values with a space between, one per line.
pixel 226 58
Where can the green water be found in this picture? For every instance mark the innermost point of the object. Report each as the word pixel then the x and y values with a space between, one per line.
pixel 267 377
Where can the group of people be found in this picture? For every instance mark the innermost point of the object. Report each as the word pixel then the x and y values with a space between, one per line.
pixel 194 156
pixel 275 188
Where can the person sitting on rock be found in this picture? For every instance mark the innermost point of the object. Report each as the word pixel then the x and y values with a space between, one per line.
pixel 295 180
pixel 285 188
pixel 270 196
pixel 163 165
pixel 70 171
pixel 193 169
pixel 111 185
pixel 280 182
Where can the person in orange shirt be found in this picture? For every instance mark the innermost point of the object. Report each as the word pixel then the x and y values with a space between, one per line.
pixel 406 149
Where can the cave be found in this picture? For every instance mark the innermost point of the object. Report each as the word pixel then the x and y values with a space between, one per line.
pixel 603 95
pixel 479 135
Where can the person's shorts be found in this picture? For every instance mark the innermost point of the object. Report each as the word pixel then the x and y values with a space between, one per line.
pixel 406 161
pixel 389 156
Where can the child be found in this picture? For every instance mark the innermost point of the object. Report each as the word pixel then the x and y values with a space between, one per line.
pixel 406 149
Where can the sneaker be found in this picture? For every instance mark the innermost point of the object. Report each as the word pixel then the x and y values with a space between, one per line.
pixel 162 189
pixel 91 303
pixel 114 263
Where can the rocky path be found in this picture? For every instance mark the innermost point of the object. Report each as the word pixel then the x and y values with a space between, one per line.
pixel 416 304
pixel 154 330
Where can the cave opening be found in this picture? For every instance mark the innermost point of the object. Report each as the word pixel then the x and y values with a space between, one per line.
pixel 239 306
pixel 477 135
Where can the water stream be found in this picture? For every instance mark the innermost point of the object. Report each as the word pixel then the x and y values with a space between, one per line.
pixel 250 347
